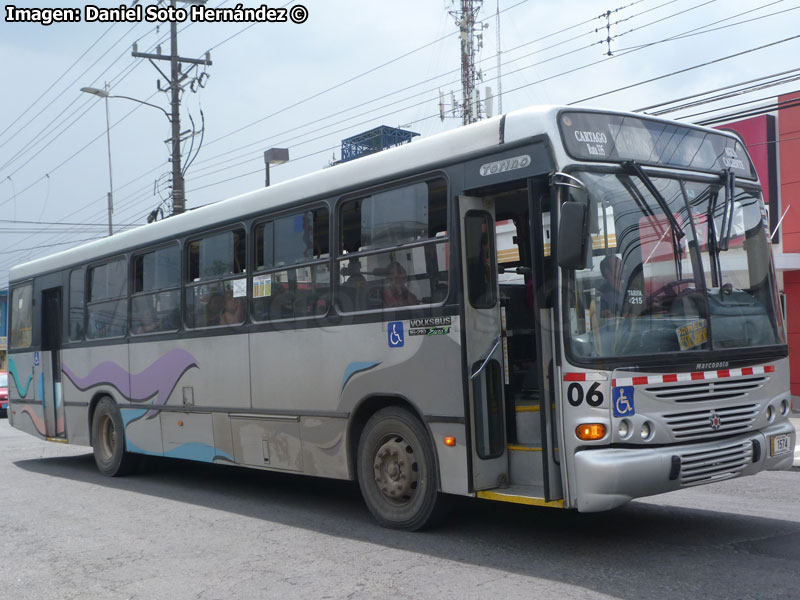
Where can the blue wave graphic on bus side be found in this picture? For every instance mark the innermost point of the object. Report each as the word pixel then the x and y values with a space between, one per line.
pixel 356 367
pixel 12 368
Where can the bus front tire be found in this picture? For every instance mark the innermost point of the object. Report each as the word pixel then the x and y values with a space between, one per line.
pixel 397 471
pixel 108 441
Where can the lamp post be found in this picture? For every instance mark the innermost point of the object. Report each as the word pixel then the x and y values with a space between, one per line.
pixel 275 156
pixel 104 94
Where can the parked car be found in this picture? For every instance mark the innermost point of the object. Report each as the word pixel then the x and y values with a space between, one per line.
pixel 3 392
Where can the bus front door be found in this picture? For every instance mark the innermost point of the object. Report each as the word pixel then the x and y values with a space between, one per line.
pixel 482 328
pixel 51 363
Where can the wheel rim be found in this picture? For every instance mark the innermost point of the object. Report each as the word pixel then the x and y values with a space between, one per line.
pixel 396 470
pixel 107 437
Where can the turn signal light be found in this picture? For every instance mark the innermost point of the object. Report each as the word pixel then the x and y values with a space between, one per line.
pixel 449 441
pixel 591 431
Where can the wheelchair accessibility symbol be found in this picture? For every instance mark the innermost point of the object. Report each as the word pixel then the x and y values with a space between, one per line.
pixel 396 339
pixel 622 398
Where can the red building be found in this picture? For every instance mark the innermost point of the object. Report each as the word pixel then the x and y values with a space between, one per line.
pixel 773 140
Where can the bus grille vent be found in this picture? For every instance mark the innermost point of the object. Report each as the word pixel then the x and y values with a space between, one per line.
pixel 715 465
pixel 710 423
pixel 703 391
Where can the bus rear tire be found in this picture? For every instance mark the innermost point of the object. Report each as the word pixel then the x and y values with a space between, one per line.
pixel 108 441
pixel 397 471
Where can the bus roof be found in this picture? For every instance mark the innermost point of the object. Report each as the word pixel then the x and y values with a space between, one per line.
pixel 513 127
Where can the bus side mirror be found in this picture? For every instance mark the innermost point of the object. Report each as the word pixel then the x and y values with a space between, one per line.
pixel 573 233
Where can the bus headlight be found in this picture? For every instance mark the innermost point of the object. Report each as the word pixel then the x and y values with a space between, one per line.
pixel 770 414
pixel 785 407
pixel 624 428
pixel 647 431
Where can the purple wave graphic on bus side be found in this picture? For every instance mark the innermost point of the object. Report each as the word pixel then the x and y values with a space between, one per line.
pixel 159 379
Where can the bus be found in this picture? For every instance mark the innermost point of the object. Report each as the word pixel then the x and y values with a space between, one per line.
pixel 556 307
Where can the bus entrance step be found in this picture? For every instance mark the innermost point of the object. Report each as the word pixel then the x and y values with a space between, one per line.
pixel 529 423
pixel 525 464
pixel 532 495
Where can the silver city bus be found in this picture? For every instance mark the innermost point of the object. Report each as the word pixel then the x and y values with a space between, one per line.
pixel 356 323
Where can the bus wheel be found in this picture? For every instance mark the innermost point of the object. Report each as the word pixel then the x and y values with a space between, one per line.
pixel 108 441
pixel 396 470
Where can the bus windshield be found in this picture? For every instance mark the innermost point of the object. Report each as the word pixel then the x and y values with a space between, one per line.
pixel 677 266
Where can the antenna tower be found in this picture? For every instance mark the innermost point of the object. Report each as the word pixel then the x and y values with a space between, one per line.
pixel 471 42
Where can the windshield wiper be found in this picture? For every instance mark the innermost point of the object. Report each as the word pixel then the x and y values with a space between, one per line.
pixel 729 182
pixel 676 229
pixel 634 167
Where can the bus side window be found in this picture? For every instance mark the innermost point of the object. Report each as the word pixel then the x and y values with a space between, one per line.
pixel 393 248
pixel 215 290
pixel 155 305
pixel 291 279
pixel 107 305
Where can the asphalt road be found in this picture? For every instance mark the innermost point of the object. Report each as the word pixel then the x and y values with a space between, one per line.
pixel 180 530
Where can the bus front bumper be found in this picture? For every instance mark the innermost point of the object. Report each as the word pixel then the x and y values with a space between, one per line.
pixel 609 477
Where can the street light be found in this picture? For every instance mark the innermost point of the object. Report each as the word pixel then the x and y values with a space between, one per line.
pixel 104 94
pixel 275 156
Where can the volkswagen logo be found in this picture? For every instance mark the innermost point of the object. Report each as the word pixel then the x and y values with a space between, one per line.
pixel 716 422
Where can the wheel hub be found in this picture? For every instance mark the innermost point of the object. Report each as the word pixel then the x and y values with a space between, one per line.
pixel 395 470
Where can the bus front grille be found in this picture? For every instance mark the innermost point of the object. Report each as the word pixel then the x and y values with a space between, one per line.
pixel 715 465
pixel 703 391
pixel 712 422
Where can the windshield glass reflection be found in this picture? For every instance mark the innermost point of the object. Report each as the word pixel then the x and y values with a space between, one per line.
pixel 657 283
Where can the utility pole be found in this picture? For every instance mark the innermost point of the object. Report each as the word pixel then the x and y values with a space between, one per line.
pixel 175 79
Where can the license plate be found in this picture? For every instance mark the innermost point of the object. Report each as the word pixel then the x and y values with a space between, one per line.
pixel 779 444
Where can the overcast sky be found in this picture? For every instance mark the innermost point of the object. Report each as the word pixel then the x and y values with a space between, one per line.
pixel 353 65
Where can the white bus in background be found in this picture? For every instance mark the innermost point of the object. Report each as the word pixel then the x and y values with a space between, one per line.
pixel 617 335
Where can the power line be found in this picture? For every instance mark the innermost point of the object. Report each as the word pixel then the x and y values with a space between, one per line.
pixel 686 70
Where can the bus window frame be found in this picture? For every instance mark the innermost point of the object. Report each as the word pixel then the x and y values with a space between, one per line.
pixel 133 294
pixel 271 218
pixel 19 285
pixel 339 257
pixel 87 303
pixel 187 285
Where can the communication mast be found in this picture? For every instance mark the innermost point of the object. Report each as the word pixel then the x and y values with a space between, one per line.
pixel 469 108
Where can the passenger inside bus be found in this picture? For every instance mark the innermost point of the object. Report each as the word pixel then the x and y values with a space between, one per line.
pixel 396 293
pixel 355 286
pixel 213 309
pixel 233 311
pixel 147 322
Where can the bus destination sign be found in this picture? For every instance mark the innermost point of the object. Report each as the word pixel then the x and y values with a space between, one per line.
pixel 618 138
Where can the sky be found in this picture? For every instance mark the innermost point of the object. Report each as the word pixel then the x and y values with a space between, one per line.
pixel 351 66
